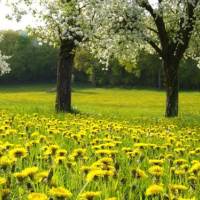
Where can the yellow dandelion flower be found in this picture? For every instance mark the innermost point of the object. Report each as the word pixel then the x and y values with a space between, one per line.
pixel 154 190
pixel 30 171
pixel 4 193
pixel 181 198
pixel 194 161
pixel 195 168
pixel 61 152
pixel 89 195
pixel 53 149
pixel 126 149
pixel 6 161
pixel 95 174
pixel 185 167
pixel 134 153
pixel 179 172
pixel 85 169
pixel 60 159
pixel 18 153
pixel 60 192
pixel 180 161
pixel 156 170
pixel 156 161
pixel 192 178
pixel 138 173
pixel 41 175
pixel 106 161
pixel 2 181
pixel 37 196
pixel 20 176
pixel 35 134
pixel 177 187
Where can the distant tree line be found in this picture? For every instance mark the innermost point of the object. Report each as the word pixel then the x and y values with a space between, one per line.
pixel 32 61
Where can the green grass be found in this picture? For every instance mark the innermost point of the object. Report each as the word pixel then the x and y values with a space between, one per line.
pixel 115 103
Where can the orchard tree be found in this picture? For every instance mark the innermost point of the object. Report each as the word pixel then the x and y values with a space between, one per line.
pixel 167 27
pixel 4 66
pixel 59 24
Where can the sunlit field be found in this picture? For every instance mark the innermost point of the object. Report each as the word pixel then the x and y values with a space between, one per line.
pixel 118 146
pixel 122 104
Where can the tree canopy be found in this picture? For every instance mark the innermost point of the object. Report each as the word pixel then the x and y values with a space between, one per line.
pixel 167 27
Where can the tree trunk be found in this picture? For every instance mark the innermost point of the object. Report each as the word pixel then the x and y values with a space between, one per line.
pixel 64 77
pixel 159 78
pixel 172 86
pixel 93 77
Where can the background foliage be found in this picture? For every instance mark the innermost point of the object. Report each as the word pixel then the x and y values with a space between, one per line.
pixel 34 62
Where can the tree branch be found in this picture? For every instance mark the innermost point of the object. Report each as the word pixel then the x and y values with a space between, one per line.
pixel 153 30
pixel 158 20
pixel 186 26
pixel 155 46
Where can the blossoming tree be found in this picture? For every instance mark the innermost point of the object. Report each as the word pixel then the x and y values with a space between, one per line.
pixel 59 24
pixel 167 27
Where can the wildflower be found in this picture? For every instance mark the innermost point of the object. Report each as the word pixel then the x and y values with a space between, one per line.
pixel 180 198
pixel 134 153
pixel 35 134
pixel 177 187
pixel 184 167
pixel 60 192
pixel 180 161
pixel 195 168
pixel 141 145
pixel 156 170
pixel 106 161
pixel 6 161
pixel 77 153
pixel 37 196
pixel 154 190
pixel 61 152
pixel 89 195
pixel 20 176
pixel 138 173
pixel 156 162
pixel 126 149
pixel 179 172
pixel 18 153
pixel 98 173
pixel 30 171
pixel 60 159
pixel 4 193
pixel 2 181
pixel 41 175
pixel 192 178
pixel 106 152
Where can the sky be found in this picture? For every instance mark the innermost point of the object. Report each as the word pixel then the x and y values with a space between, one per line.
pixel 12 24
pixel 6 24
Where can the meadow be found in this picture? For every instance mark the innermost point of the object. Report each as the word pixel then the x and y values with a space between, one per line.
pixel 115 103
pixel 117 147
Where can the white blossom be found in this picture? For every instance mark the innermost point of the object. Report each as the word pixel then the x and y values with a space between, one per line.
pixel 4 66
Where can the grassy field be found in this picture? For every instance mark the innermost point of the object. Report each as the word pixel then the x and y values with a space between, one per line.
pixel 120 147
pixel 115 103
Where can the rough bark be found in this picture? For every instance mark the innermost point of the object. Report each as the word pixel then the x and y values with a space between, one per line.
pixel 93 77
pixel 159 78
pixel 64 76
pixel 172 87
